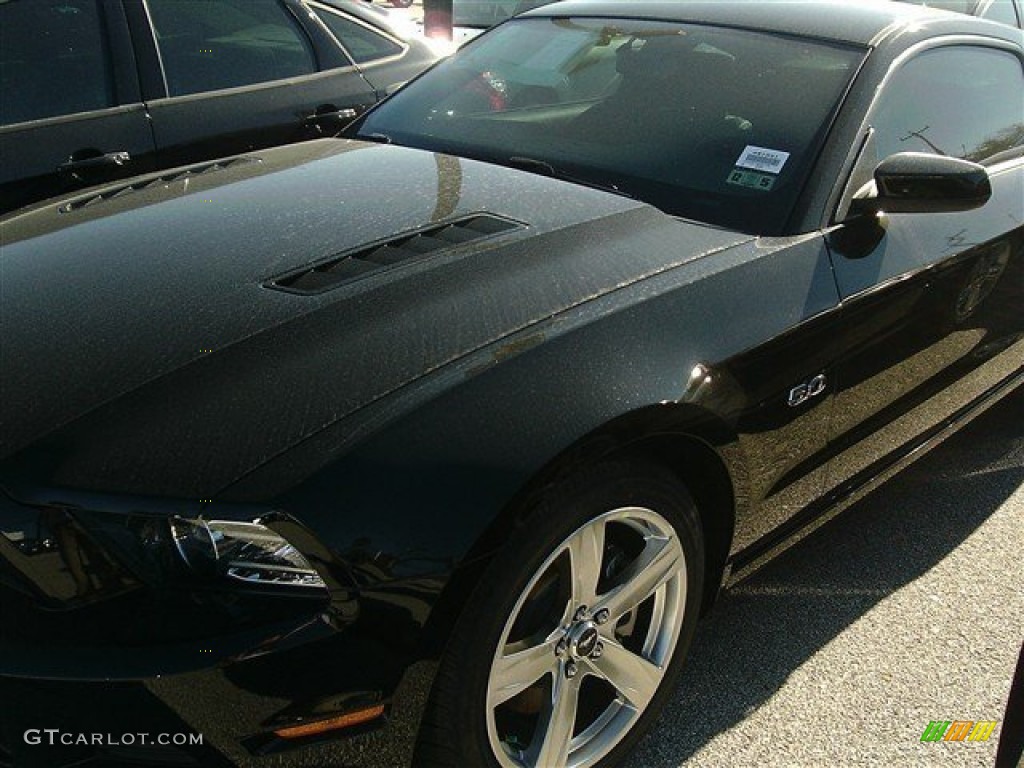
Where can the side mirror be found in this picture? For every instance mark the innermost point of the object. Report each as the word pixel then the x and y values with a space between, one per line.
pixel 916 182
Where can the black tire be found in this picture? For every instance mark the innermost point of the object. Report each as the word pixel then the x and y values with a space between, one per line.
pixel 525 618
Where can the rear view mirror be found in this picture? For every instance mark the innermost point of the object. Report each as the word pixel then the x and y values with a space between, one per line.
pixel 916 182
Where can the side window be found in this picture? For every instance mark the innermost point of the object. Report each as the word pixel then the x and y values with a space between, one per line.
pixel 959 6
pixel 206 45
pixel 961 101
pixel 41 38
pixel 1001 11
pixel 363 44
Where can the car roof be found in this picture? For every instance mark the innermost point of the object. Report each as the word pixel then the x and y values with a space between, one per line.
pixel 860 22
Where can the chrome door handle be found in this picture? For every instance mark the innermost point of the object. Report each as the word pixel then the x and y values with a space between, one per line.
pixel 109 159
pixel 331 114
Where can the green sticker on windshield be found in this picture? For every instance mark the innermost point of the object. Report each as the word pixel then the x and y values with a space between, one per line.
pixel 750 179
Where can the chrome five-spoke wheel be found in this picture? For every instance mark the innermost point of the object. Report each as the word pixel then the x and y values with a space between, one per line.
pixel 588 642
pixel 574 633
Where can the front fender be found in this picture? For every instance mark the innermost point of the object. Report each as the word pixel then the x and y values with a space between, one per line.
pixel 411 483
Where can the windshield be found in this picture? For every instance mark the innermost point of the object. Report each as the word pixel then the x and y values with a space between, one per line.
pixel 716 125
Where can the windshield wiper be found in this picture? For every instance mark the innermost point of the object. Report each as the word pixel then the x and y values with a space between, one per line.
pixel 547 169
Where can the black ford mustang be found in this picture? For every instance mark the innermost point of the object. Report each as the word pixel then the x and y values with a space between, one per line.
pixel 430 444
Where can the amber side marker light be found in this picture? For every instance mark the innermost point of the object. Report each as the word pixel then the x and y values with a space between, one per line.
pixel 331 724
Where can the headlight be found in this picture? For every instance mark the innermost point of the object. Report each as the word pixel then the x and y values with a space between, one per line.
pixel 248 552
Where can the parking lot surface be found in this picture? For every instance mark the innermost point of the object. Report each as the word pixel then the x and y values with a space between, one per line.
pixel 905 609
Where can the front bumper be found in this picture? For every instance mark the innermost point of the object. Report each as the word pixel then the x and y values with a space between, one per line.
pixel 202 719
pixel 109 656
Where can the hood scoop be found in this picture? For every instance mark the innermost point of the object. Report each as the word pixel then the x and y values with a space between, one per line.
pixel 406 248
pixel 111 193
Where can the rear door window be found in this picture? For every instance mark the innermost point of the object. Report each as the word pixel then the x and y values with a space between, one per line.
pixel 208 45
pixel 362 43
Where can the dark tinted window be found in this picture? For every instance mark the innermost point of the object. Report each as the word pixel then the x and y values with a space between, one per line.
pixel 53 59
pixel 211 44
pixel 718 125
pixel 962 101
pixel 362 43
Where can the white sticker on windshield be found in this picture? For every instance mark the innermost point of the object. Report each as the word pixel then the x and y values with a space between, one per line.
pixel 761 159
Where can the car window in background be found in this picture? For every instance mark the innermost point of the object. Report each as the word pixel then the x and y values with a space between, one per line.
pixel 1001 11
pixel 207 45
pixel 953 101
pixel 39 38
pixel 732 119
pixel 995 10
pixel 957 6
pixel 481 14
pixel 362 43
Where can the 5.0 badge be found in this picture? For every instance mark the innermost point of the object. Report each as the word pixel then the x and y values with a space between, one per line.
pixel 803 392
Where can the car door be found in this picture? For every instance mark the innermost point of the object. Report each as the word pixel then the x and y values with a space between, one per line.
pixel 931 301
pixel 237 75
pixel 70 108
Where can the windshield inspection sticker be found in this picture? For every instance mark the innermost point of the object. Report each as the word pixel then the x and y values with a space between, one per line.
pixel 751 179
pixel 761 159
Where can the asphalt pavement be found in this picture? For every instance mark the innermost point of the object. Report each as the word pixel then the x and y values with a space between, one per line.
pixel 907 608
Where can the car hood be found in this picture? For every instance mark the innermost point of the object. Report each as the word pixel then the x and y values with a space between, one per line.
pixel 159 336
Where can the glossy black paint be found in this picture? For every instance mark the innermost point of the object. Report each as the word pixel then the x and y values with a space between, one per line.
pixel 914 182
pixel 400 425
pixel 156 129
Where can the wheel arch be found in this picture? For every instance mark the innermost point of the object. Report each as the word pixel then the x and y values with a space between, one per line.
pixel 695 445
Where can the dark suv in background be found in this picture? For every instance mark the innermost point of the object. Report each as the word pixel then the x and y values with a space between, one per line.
pixel 96 90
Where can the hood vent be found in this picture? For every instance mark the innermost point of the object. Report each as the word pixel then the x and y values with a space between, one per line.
pixel 403 249
pixel 152 181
